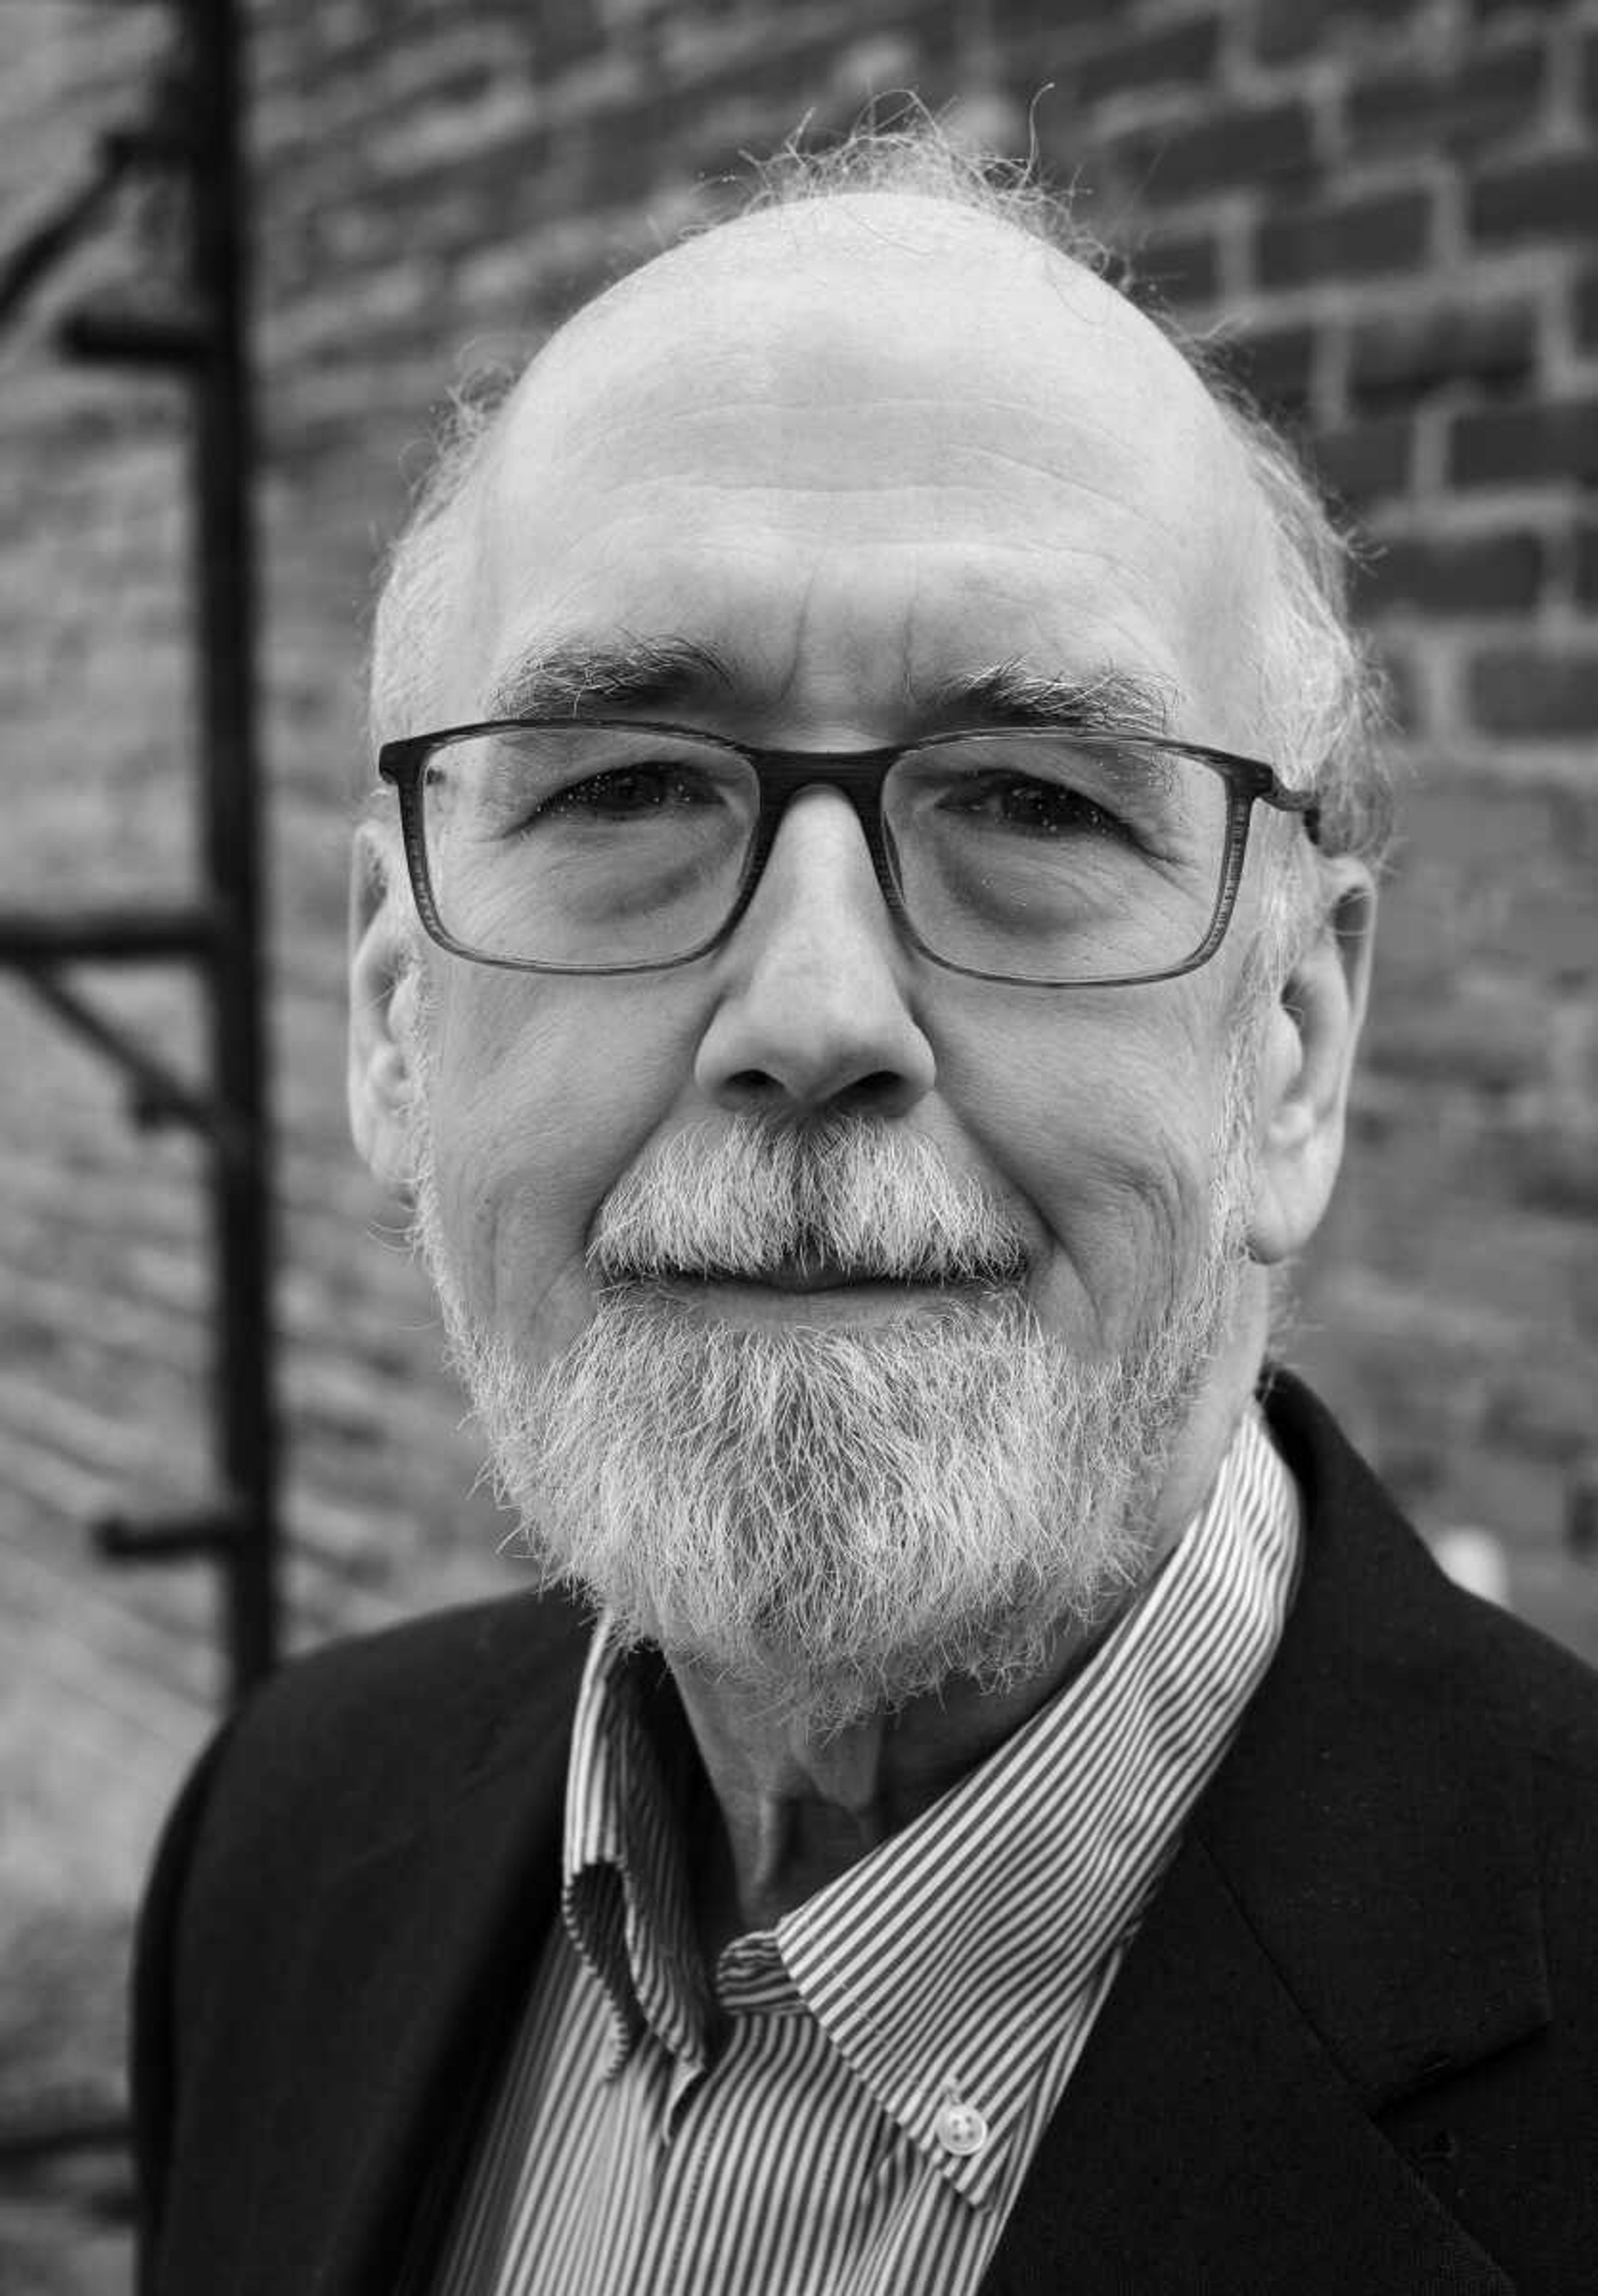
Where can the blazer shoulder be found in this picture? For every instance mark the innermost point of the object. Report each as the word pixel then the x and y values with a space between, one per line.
pixel 350 1748
pixel 1390 1616
pixel 1540 1698
pixel 388 1721
pixel 360 1744
pixel 362 1748
pixel 463 1656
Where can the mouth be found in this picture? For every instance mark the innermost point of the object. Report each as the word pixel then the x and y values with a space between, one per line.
pixel 806 1273
pixel 817 1288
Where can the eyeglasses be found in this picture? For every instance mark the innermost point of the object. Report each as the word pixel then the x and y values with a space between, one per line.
pixel 1061 859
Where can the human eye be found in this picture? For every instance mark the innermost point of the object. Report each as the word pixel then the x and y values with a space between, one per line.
pixel 570 790
pixel 1029 805
pixel 641 789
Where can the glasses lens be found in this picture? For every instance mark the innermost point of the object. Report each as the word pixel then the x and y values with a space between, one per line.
pixel 1048 857
pixel 586 845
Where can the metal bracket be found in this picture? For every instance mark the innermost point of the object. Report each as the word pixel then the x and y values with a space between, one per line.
pixel 135 338
pixel 164 1538
pixel 157 1094
pixel 107 935
pixel 53 239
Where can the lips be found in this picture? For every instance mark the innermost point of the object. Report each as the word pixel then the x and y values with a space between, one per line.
pixel 792 1275
pixel 808 1275
pixel 808 1266
pixel 823 1276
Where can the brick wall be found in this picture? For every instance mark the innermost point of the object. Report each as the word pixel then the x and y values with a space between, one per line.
pixel 1388 209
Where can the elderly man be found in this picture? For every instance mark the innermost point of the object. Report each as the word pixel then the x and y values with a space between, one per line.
pixel 856 960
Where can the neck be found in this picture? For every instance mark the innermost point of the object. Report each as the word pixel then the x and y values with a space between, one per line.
pixel 797 1810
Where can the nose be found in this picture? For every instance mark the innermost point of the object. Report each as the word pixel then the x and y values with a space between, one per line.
pixel 814 1016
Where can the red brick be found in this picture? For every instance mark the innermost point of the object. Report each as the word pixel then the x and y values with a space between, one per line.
pixel 1473 829
pixel 1584 310
pixel 1365 461
pixel 1184 53
pixel 1475 574
pixel 1586 565
pixel 1030 20
pixel 1285 30
pixel 1395 360
pixel 1555 197
pixel 1556 441
pixel 1553 930
pixel 1481 1039
pixel 1490 95
pixel 1401 689
pixel 1177 267
pixel 1561 1174
pixel 1350 238
pixel 1536 691
pixel 1276 364
pixel 795 56
pixel 1236 145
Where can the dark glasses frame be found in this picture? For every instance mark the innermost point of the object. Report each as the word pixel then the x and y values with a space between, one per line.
pixel 859 776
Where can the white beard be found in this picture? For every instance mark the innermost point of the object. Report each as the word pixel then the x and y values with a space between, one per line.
pixel 842 1519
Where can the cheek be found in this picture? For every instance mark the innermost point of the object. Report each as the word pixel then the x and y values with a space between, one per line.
pixel 1108 1127
pixel 543 1093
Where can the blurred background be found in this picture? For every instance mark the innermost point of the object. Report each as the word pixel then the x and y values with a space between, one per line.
pixel 1388 212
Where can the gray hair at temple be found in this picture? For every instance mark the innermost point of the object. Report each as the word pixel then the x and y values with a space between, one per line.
pixel 1321 697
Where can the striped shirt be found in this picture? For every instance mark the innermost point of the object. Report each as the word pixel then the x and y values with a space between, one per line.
pixel 848 2106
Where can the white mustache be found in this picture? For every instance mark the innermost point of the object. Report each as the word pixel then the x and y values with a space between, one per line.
pixel 848 1197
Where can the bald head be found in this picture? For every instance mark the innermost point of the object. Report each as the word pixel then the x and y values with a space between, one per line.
pixel 802 280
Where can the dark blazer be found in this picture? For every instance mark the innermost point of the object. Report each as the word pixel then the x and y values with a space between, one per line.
pixel 1353 2050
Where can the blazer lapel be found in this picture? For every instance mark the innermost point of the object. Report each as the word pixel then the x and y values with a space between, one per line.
pixel 415 1961
pixel 1352 1916
pixel 1207 2140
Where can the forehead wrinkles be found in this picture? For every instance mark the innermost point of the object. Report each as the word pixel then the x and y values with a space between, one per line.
pixel 745 403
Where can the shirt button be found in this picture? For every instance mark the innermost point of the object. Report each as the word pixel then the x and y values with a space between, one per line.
pixel 959 2128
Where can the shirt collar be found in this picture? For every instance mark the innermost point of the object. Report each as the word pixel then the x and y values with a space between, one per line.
pixel 944 1965
pixel 625 1898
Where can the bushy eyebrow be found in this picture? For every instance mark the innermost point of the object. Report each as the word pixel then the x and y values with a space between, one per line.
pixel 586 678
pixel 676 677
pixel 1011 693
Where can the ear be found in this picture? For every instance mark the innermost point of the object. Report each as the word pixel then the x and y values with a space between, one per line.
pixel 384 974
pixel 1308 1061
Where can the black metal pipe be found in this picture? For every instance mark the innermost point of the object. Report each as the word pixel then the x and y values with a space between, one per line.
pixel 105 935
pixel 225 577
